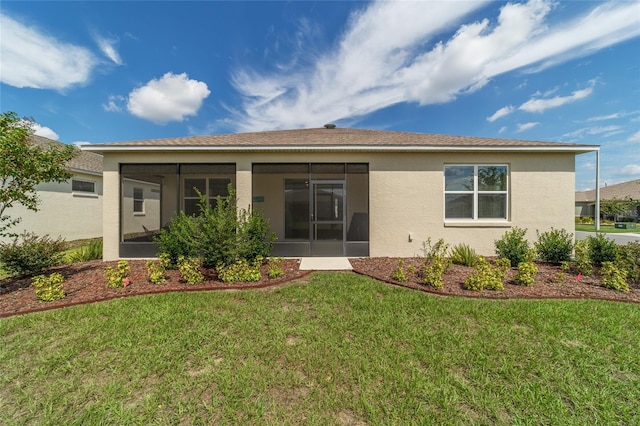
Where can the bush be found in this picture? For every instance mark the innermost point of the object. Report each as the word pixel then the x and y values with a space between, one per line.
pixel 485 276
pixel 119 277
pixel 434 271
pixel 29 254
pixel 526 274
pixel 554 246
pixel 463 254
pixel 156 269
pixel 219 235
pixel 583 257
pixel 49 288
pixel 189 268
pixel 275 268
pixel 240 271
pixel 180 239
pixel 513 246
pixel 613 277
pixel 91 251
pixel 629 260
pixel 399 274
pixel 439 249
pixel 601 249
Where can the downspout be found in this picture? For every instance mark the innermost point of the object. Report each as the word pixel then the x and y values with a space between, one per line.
pixel 597 210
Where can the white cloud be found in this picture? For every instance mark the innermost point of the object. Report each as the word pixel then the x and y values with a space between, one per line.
pixel 107 46
pixel 32 58
pixel 501 113
pixel 502 129
pixel 45 132
pixel 630 170
pixel 387 55
pixel 114 103
pixel 604 117
pixel 526 126
pixel 540 105
pixel 635 137
pixel 603 129
pixel 170 98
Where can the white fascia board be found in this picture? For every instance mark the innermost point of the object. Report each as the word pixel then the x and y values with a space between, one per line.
pixel 340 148
pixel 83 171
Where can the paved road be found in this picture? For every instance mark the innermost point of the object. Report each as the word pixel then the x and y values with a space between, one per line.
pixel 620 239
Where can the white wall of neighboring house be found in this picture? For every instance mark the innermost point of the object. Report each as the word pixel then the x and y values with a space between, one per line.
pixel 145 217
pixel 63 212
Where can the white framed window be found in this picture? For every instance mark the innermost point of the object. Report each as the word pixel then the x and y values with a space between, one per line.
pixel 138 200
pixel 476 192
pixel 85 186
pixel 211 188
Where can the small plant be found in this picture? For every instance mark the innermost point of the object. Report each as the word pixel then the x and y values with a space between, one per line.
pixel 49 288
pixel 560 278
pixel 554 246
pixel 463 254
pixel 513 246
pixel 411 268
pixel 434 271
pixel 29 254
pixel 156 269
pixel 119 277
pixel 275 268
pixel 435 262
pixel 629 260
pixel 527 270
pixel 613 277
pixel 91 251
pixel 565 266
pixel 439 249
pixel 240 271
pixel 189 268
pixel 602 249
pixel 583 258
pixel 485 276
pixel 399 274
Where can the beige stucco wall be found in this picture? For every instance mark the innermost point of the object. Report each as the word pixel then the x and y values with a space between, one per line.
pixel 405 194
pixel 61 212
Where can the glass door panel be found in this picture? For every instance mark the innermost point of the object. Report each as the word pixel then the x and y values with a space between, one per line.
pixel 327 218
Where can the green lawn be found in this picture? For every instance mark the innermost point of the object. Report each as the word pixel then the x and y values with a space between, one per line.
pixel 342 349
pixel 609 229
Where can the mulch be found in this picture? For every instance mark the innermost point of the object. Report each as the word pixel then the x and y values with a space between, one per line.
pixel 85 283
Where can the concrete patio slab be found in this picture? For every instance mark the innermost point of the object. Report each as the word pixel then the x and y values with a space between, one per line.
pixel 325 264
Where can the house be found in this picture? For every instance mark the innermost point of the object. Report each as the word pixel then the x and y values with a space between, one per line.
pixel 586 200
pixel 72 209
pixel 344 192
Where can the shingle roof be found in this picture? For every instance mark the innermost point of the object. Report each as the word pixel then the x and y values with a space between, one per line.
pixel 84 161
pixel 618 191
pixel 323 138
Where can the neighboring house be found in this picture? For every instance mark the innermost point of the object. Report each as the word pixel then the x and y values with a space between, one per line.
pixel 586 200
pixel 73 209
pixel 346 192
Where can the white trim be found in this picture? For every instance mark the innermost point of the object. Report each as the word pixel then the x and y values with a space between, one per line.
pixel 341 148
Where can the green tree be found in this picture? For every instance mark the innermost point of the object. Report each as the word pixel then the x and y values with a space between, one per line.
pixel 617 207
pixel 24 165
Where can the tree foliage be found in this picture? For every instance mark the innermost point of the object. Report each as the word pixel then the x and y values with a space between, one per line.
pixel 23 165
pixel 617 207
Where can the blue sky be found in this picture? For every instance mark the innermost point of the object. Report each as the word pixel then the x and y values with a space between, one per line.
pixel 538 70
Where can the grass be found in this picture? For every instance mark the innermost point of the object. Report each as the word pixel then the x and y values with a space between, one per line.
pixel 608 229
pixel 342 349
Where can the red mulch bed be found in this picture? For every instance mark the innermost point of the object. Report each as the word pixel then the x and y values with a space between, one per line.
pixel 85 283
pixel 547 285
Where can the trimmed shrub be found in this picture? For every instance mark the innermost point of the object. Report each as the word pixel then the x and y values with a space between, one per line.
pixel 156 269
pixel 433 272
pixel 118 277
pixel 583 257
pixel 180 239
pixel 49 288
pixel 189 268
pixel 399 274
pixel 613 277
pixel 29 254
pixel 463 254
pixel 602 249
pixel 513 246
pixel 554 246
pixel 240 271
pixel 629 260
pixel 485 276
pixel 275 268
